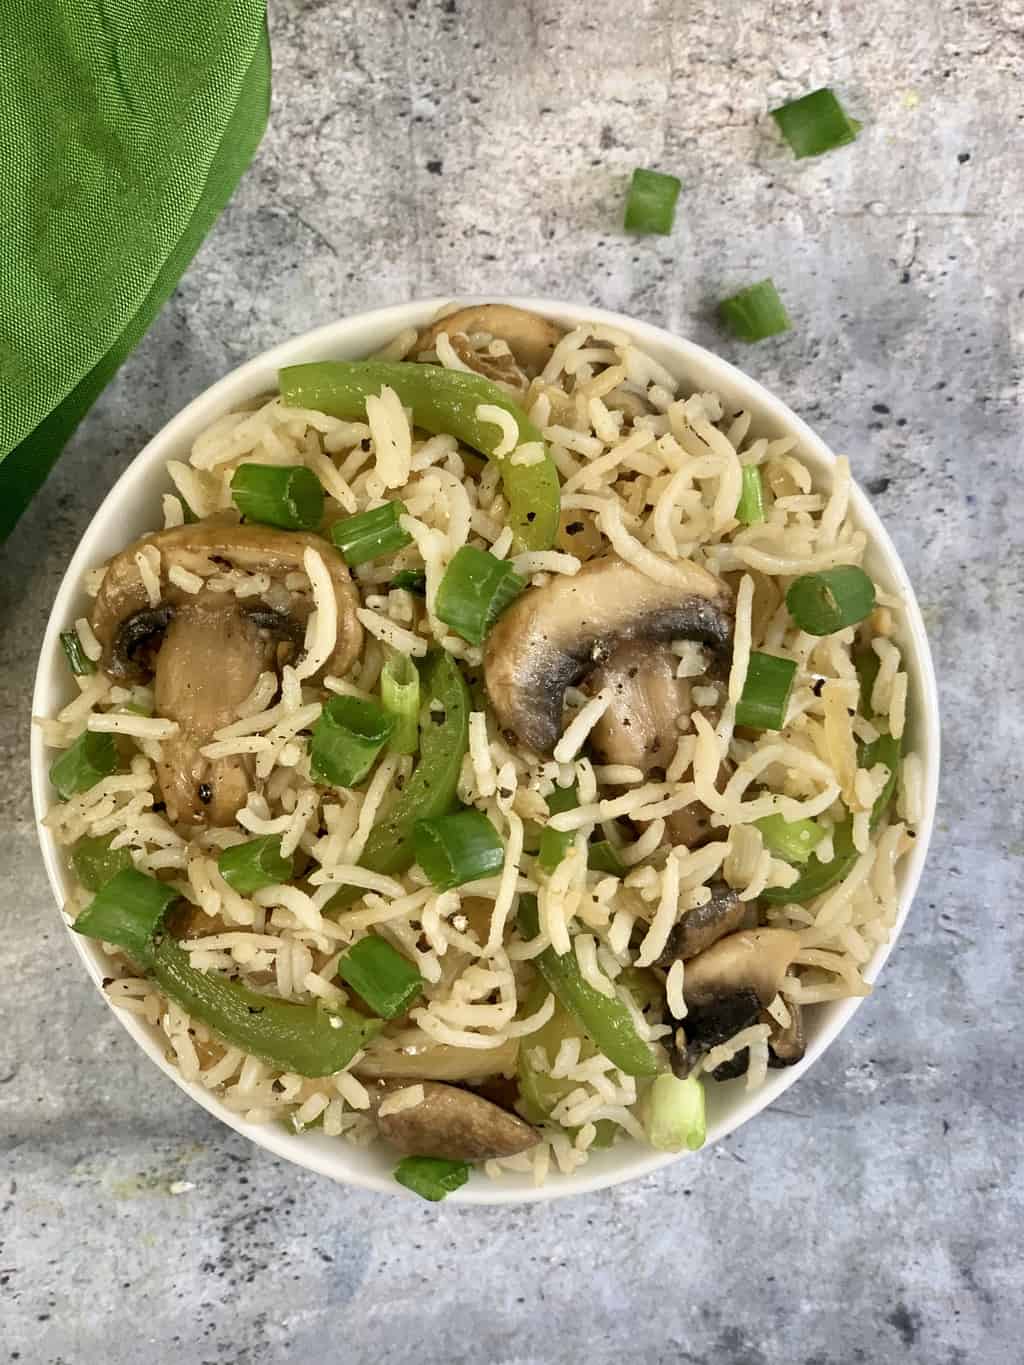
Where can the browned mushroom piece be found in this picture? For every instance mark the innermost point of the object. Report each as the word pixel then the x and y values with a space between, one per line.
pixel 206 650
pixel 727 986
pixel 698 929
pixel 530 339
pixel 554 636
pixel 452 1123
pixel 786 1046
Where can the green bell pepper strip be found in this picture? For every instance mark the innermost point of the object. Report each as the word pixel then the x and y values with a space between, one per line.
pixel 441 401
pixel 606 1020
pixel 540 1092
pixel 95 862
pixel 308 1039
pixel 431 790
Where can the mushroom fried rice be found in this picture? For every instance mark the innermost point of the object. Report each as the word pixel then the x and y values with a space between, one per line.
pixel 498 744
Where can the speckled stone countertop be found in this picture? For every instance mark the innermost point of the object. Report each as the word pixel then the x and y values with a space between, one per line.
pixel 441 146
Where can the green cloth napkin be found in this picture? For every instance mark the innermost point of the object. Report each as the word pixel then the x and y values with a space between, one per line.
pixel 124 128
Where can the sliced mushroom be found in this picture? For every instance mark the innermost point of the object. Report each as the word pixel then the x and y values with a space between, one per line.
pixel 436 1061
pixel 786 1046
pixel 452 1123
pixel 553 636
pixel 530 337
pixel 639 726
pixel 698 929
pixel 728 985
pixel 206 650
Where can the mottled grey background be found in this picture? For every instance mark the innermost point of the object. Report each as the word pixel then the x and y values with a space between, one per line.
pixel 460 145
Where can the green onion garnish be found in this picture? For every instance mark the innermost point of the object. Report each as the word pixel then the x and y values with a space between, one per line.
pixel 673 1113
pixel 95 862
pixel 91 757
pixel 78 661
pixel 604 857
pixel 651 203
pixel 381 976
pixel 755 312
pixel 371 534
pixel 765 692
pixel 347 739
pixel 459 848
pixel 431 1177
pixel 128 911
pixel 475 590
pixel 750 508
pixel 793 840
pixel 412 580
pixel 400 694
pixel 815 123
pixel 255 864
pixel 554 844
pixel 822 603
pixel 290 496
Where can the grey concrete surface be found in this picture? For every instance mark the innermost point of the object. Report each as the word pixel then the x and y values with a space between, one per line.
pixel 458 145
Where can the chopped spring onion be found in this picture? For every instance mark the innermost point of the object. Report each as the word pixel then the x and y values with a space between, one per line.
pixel 604 857
pixel 78 661
pixel 793 840
pixel 651 203
pixel 128 911
pixel 371 534
pixel 412 580
pixel 347 739
pixel 822 603
pixel 255 864
pixel 554 843
pixel 289 496
pixel 431 1177
pixel 815 123
pixel 475 590
pixel 755 312
pixel 766 692
pixel 91 757
pixel 750 508
pixel 95 862
pixel 673 1115
pixel 459 848
pixel 381 976
pixel 400 694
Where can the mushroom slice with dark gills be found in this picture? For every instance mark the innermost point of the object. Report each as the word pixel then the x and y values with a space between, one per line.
pixel 698 929
pixel 530 339
pixel 205 650
pixel 450 1122
pixel 554 636
pixel 727 986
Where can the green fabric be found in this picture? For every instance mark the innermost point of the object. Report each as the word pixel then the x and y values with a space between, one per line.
pixel 124 128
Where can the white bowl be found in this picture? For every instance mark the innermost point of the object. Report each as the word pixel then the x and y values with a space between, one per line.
pixel 133 506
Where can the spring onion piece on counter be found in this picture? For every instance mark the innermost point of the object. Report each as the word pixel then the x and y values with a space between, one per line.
pixel 255 864
pixel 346 740
pixel 604 857
pixel 128 911
pixel 554 844
pixel 412 580
pixel 441 401
pixel 289 496
pixel 381 976
pixel 755 313
pixel 673 1114
pixel 765 692
pixel 95 862
pixel 750 508
pixel 815 123
pixel 91 757
pixel 651 203
pixel 431 1177
pixel 604 1018
pixel 475 590
pixel 400 695
pixel 78 661
pixel 459 848
pixel 371 534
pixel 793 840
pixel 822 603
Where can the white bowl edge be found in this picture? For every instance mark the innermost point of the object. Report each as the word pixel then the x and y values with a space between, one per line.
pixel 132 506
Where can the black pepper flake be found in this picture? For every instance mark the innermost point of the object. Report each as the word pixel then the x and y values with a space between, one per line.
pixel 817 685
pixel 574 528
pixel 205 793
pixel 255 1009
pixel 364 444
pixel 963 157
pixel 108 981
pixel 531 516
pixel 159 807
pixel 505 793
